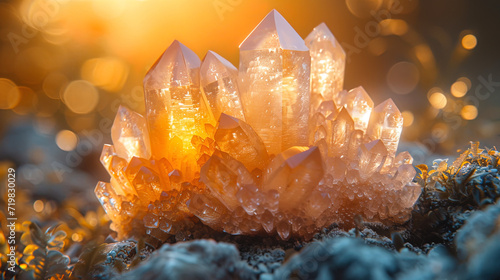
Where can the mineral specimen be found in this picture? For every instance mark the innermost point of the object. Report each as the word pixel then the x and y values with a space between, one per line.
pixel 256 151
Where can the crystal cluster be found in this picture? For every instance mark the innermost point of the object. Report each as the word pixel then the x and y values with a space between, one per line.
pixel 275 147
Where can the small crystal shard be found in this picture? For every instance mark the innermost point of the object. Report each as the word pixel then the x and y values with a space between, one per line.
pixel 109 200
pixel 386 124
pixel 274 72
pixel 294 173
pixel 372 157
pixel 130 135
pixel 225 177
pixel 359 105
pixel 148 185
pixel 219 81
pixel 339 131
pixel 239 140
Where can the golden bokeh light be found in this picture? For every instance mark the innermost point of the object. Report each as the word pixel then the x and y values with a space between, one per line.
pixel 440 132
pixel 76 237
pixel 10 95
pixel 438 100
pixel 403 77
pixel 469 112
pixel 363 8
pixel 53 84
pixel 66 140
pixel 459 89
pixel 408 118
pixel 467 82
pixel 397 27
pixel 107 73
pixel 377 46
pixel 38 206
pixel 27 102
pixel 81 97
pixel 469 42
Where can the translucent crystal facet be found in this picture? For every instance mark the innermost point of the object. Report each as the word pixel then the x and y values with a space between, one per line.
pixel 327 65
pixel 219 81
pixel 274 74
pixel 294 173
pixel 239 140
pixel 130 134
pixel 359 105
pixel 386 124
pixel 240 163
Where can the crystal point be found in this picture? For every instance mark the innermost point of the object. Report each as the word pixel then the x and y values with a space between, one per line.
pixel 359 105
pixel 274 32
pixel 219 81
pixel 386 123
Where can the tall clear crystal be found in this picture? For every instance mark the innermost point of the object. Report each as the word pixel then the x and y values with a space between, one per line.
pixel 327 65
pixel 274 73
pixel 176 109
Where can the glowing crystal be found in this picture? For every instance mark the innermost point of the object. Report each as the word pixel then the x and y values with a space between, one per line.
pixel 327 65
pixel 219 81
pixel 130 135
pixel 256 176
pixel 386 124
pixel 359 105
pixel 239 140
pixel 176 108
pixel 274 72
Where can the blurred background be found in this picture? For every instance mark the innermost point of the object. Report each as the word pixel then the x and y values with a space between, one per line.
pixel 66 66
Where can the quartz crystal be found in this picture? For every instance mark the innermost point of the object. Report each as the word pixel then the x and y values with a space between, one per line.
pixel 255 151
pixel 130 135
pixel 176 107
pixel 219 82
pixel 275 72
pixel 327 66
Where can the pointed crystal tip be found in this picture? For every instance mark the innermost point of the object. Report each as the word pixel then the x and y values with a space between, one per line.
pixel 274 32
pixel 173 67
pixel 215 67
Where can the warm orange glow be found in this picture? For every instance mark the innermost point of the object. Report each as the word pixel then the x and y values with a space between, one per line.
pixel 362 8
pixel 76 237
pixel 403 77
pixel 469 112
pixel 81 97
pixel 465 80
pixel 66 140
pixel 54 84
pixel 459 89
pixel 438 100
pixel 408 118
pixel 469 42
pixel 10 96
pixel 393 27
pixel 106 72
pixel 38 206
pixel 440 132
